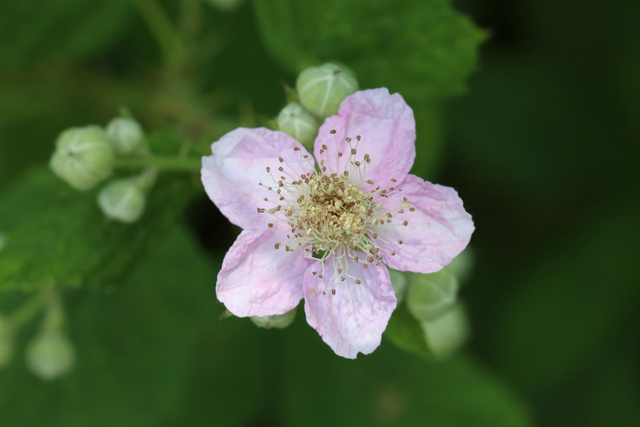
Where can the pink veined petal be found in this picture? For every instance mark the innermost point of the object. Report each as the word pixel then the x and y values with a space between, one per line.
pixel 437 231
pixel 232 174
pixel 258 280
pixel 388 132
pixel 353 319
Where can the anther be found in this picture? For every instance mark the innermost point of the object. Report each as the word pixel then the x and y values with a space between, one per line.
pixel 358 282
pixel 281 159
pixel 358 137
pixel 277 246
pixel 400 242
pixel 333 291
pixel 268 169
pixel 296 148
pixel 270 225
pixel 332 131
pixel 405 223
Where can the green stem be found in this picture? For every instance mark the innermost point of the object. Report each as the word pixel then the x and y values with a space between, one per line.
pixel 29 309
pixel 161 163
pixel 163 31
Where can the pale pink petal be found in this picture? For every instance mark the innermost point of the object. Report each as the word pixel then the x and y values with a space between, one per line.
pixel 437 231
pixel 258 280
pixel 232 174
pixel 388 132
pixel 353 319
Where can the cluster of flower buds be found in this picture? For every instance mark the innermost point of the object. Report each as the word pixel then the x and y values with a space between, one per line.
pixel 85 156
pixel 320 91
pixel 432 299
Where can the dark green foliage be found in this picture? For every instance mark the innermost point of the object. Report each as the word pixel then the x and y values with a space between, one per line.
pixel 33 30
pixel 57 235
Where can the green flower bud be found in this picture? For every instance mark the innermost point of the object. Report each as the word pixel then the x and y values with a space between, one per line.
pixel 125 135
pixel 50 354
pixel 431 295
pixel 83 157
pixel 322 89
pixel 462 265
pixel 122 200
pixel 298 123
pixel 448 333
pixel 399 282
pixel 6 341
pixel 277 321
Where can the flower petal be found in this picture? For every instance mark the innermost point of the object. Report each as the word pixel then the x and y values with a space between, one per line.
pixel 437 231
pixel 231 175
pixel 258 280
pixel 353 319
pixel 388 132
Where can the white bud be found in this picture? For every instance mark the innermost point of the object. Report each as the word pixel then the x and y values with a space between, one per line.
pixel 322 89
pixel 448 333
pixel 298 123
pixel 122 200
pixel 276 321
pixel 50 354
pixel 431 295
pixel 125 135
pixel 83 157
pixel 6 341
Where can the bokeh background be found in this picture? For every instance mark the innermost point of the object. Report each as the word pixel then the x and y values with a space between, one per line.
pixel 542 141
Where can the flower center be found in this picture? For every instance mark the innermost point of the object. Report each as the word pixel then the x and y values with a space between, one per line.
pixel 333 214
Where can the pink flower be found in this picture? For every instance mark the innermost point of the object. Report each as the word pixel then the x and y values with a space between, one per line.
pixel 361 211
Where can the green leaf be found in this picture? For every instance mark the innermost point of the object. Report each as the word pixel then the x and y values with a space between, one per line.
pixel 55 234
pixel 405 332
pixel 134 347
pixel 388 387
pixel 32 30
pixel 423 49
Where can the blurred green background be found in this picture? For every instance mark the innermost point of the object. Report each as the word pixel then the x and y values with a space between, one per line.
pixel 539 131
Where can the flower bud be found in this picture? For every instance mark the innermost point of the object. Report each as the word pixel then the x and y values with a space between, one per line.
pixel 122 200
pixel 431 295
pixel 83 157
pixel 6 341
pixel 125 135
pixel 462 265
pixel 448 333
pixel 298 123
pixel 322 89
pixel 50 354
pixel 399 282
pixel 276 321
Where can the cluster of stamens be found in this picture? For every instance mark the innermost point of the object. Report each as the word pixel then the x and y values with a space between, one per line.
pixel 329 213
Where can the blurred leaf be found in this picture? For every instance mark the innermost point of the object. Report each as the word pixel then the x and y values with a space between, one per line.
pixel 423 48
pixel 405 332
pixel 615 399
pixel 570 304
pixel 134 347
pixel 55 234
pixel 32 30
pixel 389 387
